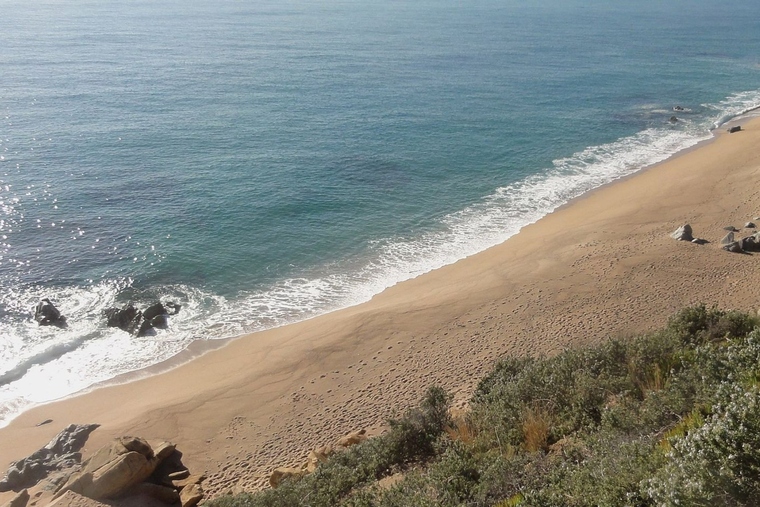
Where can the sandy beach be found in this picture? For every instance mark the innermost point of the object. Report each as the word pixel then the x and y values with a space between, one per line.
pixel 603 266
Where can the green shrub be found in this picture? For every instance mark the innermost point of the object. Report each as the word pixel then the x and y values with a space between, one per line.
pixel 669 418
pixel 718 463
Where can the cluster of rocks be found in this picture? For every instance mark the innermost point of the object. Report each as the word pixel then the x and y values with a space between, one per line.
pixel 128 318
pixel 316 456
pixel 141 323
pixel 729 242
pixel 128 468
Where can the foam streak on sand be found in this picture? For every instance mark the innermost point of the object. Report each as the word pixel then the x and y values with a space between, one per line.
pixel 603 266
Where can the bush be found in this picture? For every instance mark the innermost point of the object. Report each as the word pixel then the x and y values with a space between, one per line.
pixel 718 463
pixel 670 418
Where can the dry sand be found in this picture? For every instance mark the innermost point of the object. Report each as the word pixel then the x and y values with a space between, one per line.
pixel 603 266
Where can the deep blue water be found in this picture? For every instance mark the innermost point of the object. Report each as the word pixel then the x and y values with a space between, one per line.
pixel 263 162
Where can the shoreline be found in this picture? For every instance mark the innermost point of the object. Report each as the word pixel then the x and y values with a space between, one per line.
pixel 198 347
pixel 588 271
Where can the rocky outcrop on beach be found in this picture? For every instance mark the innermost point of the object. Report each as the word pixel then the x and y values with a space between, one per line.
pixel 129 469
pixel 141 323
pixel 46 314
pixel 61 453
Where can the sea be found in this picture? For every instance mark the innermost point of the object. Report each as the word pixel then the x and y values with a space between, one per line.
pixel 262 162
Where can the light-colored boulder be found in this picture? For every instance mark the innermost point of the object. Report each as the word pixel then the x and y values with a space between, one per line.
pixel 119 475
pixel 191 479
pixel 191 495
pixel 683 233
pixel 117 467
pixel 317 456
pixel 282 473
pixel 353 438
pixel 19 500
pixel 728 239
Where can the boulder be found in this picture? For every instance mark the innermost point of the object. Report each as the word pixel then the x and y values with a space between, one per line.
pixel 737 128
pixel 190 495
pixel 673 119
pixel 734 247
pixel 161 493
pixel 750 244
pixel 20 500
pixel 683 233
pixel 121 318
pixel 353 438
pixel 116 468
pixel 60 453
pixel 282 473
pixel 138 323
pixel 317 456
pixel 190 479
pixel 160 321
pixel 730 228
pixel 749 225
pixel 46 314
pixel 727 239
pixel 154 311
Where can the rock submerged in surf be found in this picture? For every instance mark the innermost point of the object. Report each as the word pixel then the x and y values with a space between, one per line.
pixel 141 323
pixel 46 314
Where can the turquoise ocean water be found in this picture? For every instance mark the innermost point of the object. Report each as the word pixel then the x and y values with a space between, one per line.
pixel 266 161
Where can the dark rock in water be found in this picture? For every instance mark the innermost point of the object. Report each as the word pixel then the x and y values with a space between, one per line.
pixel 135 325
pixel 683 233
pixel 673 119
pixel 727 239
pixel 154 311
pixel 749 225
pixel 121 318
pixel 138 323
pixel 60 453
pixel 145 329
pixel 734 247
pixel 737 128
pixel 160 321
pixel 46 314
pixel 677 108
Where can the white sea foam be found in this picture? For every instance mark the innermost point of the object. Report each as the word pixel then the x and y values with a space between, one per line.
pixel 39 364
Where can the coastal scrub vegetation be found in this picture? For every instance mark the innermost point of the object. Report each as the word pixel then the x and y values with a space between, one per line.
pixel 669 418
